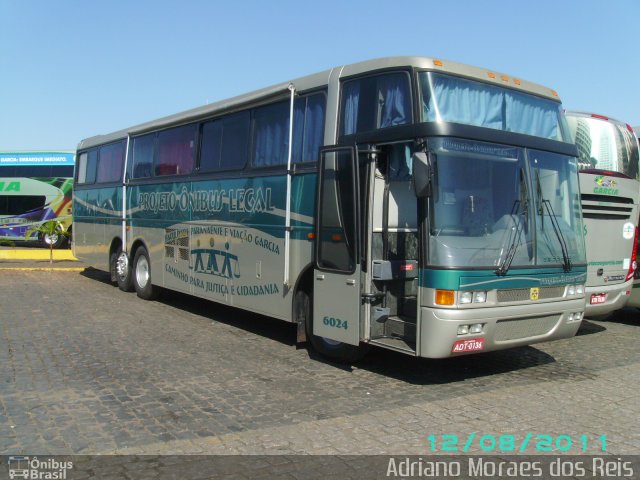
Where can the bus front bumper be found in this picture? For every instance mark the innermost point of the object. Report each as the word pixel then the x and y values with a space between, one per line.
pixel 615 296
pixel 502 327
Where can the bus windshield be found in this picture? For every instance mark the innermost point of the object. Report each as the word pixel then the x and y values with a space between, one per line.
pixel 604 145
pixel 501 207
pixel 446 98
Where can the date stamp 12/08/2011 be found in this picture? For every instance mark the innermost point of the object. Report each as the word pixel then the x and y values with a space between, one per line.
pixel 527 443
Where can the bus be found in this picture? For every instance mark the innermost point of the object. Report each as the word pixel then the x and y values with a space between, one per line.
pixel 35 187
pixel 610 193
pixel 634 299
pixel 410 203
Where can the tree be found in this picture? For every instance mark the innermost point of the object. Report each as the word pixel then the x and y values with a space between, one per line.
pixel 50 232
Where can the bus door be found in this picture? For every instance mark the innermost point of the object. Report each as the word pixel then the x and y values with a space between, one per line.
pixel 337 290
pixel 393 287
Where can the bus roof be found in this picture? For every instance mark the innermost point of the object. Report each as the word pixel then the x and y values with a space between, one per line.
pixel 319 80
pixel 42 158
pixel 606 118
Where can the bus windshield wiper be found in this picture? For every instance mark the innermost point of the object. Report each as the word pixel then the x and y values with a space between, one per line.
pixel 515 238
pixel 566 261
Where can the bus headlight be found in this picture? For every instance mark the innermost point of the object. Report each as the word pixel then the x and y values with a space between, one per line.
pixel 479 297
pixel 580 289
pixel 571 290
pixel 465 297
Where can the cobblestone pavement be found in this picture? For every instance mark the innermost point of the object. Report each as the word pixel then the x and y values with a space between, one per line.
pixel 88 369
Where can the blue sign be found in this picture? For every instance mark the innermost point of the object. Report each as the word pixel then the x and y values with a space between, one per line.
pixel 36 158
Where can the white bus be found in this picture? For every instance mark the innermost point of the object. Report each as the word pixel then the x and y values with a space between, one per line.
pixel 610 192
pixel 410 203
pixel 634 299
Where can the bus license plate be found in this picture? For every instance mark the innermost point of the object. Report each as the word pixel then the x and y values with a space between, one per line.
pixel 598 298
pixel 470 345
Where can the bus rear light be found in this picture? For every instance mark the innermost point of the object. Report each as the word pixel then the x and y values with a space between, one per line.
pixel 630 128
pixel 445 297
pixel 601 117
pixel 311 236
pixel 634 255
pixel 336 237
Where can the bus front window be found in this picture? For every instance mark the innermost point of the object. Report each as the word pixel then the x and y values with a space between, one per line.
pixel 480 214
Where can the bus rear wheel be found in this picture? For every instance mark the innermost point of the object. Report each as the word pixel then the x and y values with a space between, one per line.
pixel 331 349
pixel 122 271
pixel 142 275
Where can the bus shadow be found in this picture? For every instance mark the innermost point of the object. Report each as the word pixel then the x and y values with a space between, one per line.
pixel 626 316
pixel 423 371
pixel 412 370
pixel 254 323
pixel 95 274
pixel 250 322
pixel 589 328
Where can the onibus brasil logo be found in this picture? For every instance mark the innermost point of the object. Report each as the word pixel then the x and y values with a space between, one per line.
pixel 36 469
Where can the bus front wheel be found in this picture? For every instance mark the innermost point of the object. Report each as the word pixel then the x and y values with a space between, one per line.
pixel 331 349
pixel 142 275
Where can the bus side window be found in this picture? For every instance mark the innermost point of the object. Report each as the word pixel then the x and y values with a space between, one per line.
pixel 271 135
pixel 308 127
pixel 176 151
pixel 82 168
pixel 378 101
pixel 92 166
pixel 142 156
pixel 224 143
pixel 110 163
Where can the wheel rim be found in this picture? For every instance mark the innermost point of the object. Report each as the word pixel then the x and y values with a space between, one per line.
pixel 142 271
pixel 50 239
pixel 122 264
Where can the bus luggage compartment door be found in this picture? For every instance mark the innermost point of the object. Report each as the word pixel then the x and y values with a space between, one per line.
pixel 336 294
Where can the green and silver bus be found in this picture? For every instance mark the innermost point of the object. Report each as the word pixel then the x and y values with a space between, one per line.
pixel 35 187
pixel 610 192
pixel 410 203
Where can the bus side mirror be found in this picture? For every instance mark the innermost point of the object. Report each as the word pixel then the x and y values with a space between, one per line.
pixel 421 171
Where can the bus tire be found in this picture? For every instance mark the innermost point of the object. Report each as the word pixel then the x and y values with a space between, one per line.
pixel 337 351
pixel 47 240
pixel 142 275
pixel 123 271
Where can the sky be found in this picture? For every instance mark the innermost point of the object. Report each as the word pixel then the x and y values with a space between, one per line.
pixel 72 69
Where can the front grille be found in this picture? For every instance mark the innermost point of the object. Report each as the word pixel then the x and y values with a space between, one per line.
pixel 524 327
pixel 524 294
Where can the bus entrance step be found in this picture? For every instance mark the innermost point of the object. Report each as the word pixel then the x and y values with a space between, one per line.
pixel 401 327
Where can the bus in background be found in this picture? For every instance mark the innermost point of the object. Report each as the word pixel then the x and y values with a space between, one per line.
pixel 35 187
pixel 634 299
pixel 415 204
pixel 610 194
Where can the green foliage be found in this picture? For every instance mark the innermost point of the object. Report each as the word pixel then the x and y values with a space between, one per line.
pixel 50 229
